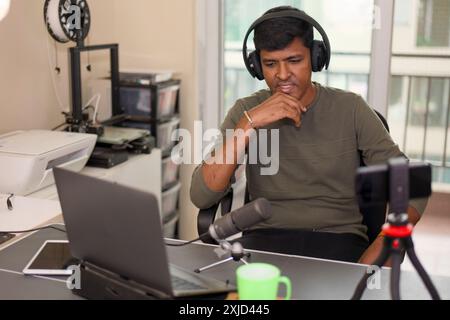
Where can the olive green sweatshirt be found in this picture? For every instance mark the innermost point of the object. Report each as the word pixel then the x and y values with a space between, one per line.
pixel 314 187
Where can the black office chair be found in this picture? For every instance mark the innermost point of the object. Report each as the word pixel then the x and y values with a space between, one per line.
pixel 373 217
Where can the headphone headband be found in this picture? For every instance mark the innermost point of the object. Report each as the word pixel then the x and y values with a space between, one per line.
pixel 289 13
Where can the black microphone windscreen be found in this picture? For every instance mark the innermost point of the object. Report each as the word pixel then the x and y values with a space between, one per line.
pixel 252 214
pixel 241 219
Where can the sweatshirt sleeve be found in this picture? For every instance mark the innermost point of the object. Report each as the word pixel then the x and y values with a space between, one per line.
pixel 201 195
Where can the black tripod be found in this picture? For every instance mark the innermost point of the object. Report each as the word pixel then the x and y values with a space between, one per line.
pixel 397 232
pixel 397 238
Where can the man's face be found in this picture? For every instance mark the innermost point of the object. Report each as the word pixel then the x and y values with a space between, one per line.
pixel 288 70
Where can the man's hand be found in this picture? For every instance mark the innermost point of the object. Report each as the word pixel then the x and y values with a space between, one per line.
pixel 374 250
pixel 277 107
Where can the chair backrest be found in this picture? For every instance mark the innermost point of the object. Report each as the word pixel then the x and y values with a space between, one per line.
pixel 373 217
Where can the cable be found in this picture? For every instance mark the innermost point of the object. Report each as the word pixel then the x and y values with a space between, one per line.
pixel 50 226
pixel 91 99
pixel 9 203
pixel 35 276
pixel 89 107
pixel 94 116
pixel 89 66
pixel 59 126
pixel 11 271
pixel 57 68
pixel 185 243
pixel 52 76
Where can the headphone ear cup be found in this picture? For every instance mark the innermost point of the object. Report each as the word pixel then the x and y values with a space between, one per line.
pixel 255 64
pixel 318 56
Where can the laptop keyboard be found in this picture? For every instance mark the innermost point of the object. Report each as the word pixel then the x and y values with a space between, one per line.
pixel 182 284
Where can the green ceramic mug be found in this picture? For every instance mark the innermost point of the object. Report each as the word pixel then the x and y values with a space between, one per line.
pixel 260 281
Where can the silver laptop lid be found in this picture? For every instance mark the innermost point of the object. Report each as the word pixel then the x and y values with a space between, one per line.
pixel 114 227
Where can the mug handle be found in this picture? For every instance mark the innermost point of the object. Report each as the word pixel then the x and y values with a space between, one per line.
pixel 287 283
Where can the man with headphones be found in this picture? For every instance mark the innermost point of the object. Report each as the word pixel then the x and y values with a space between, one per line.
pixel 322 132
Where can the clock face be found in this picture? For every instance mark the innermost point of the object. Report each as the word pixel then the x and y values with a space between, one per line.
pixel 67 20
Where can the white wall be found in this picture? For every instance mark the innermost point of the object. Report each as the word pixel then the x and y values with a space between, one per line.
pixel 165 38
pixel 162 34
pixel 150 33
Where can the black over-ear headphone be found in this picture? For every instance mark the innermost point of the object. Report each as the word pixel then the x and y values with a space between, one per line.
pixel 320 50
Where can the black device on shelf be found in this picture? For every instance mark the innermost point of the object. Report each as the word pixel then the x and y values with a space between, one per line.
pixel 105 157
pixel 73 24
pixel 76 120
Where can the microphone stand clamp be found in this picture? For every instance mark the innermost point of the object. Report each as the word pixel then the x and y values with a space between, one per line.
pixel 234 252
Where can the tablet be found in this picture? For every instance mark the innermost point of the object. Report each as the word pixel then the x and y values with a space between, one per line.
pixel 52 258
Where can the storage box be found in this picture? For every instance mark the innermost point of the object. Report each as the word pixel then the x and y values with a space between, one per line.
pixel 162 131
pixel 156 101
pixel 169 173
pixel 170 226
pixel 169 200
pixel 164 134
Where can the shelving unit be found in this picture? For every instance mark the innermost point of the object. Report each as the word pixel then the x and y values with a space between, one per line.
pixel 154 106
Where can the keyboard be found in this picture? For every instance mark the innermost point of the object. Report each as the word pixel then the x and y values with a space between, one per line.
pixel 184 285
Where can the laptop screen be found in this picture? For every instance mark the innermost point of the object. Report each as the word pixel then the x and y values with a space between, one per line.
pixel 114 227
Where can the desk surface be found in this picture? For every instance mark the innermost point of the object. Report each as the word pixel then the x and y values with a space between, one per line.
pixel 311 278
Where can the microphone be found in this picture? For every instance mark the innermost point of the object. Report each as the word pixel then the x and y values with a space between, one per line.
pixel 240 219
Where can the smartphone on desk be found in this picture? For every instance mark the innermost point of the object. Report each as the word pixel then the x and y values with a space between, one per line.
pixel 52 259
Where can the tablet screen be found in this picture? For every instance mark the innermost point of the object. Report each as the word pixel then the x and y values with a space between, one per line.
pixel 51 256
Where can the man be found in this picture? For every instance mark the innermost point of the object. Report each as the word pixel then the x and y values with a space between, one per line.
pixel 322 132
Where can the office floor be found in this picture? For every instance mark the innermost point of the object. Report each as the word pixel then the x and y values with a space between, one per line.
pixel 432 237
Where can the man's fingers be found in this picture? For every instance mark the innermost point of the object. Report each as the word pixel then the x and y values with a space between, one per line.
pixel 292 101
pixel 292 113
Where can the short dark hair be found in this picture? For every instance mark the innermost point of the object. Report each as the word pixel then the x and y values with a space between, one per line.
pixel 277 34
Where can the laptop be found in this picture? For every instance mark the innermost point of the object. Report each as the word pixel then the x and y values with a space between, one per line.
pixel 119 229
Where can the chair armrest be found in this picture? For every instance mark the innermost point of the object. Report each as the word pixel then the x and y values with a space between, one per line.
pixel 206 217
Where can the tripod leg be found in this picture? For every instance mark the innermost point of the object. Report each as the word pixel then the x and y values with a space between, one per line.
pixel 395 274
pixel 421 271
pixel 215 264
pixel 382 258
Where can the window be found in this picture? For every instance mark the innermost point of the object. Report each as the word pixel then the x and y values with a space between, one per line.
pixel 418 112
pixel 433 23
